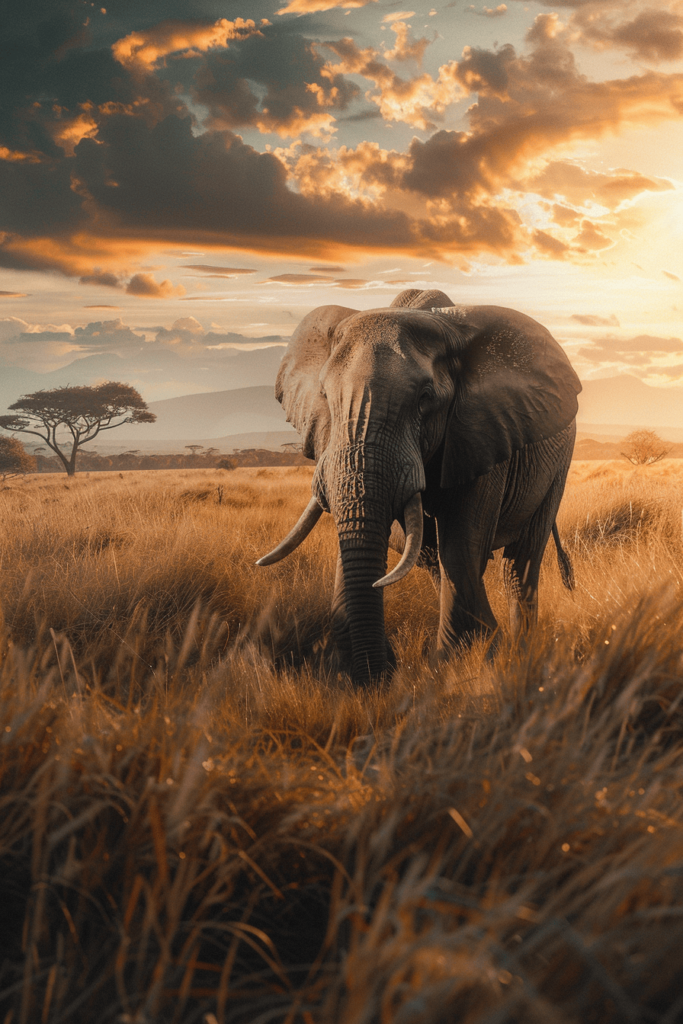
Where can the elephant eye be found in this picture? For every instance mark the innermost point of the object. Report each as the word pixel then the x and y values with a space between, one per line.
pixel 425 402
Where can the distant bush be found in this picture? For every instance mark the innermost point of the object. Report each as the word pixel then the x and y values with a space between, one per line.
pixel 210 458
pixel 644 447
pixel 14 458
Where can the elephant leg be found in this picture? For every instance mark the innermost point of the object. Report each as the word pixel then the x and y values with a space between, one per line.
pixel 523 557
pixel 466 528
pixel 340 622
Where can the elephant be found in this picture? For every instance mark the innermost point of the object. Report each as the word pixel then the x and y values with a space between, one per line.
pixel 456 425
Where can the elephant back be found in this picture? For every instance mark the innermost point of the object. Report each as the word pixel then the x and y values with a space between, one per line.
pixel 415 298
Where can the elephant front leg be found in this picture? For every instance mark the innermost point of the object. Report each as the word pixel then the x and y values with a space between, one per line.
pixel 340 621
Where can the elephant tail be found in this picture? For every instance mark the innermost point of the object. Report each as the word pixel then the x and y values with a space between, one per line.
pixel 564 562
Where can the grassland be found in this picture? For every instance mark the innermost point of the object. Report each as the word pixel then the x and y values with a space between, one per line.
pixel 200 820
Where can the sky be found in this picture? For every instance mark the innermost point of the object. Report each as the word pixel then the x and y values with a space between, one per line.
pixel 209 169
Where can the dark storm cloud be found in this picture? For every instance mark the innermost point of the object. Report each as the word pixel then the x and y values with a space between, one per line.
pixel 288 68
pixel 103 159
pixel 170 180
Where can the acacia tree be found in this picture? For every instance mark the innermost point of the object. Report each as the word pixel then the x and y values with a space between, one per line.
pixel 644 447
pixel 14 458
pixel 82 411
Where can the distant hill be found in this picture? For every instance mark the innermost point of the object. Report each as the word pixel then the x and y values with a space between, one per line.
pixel 214 414
pixel 627 401
pixel 154 370
pixel 588 448
pixel 272 439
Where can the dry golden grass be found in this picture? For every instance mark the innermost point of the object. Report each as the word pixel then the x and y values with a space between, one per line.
pixel 200 821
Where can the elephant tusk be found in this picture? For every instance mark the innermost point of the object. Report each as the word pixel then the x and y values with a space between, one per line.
pixel 309 518
pixel 412 515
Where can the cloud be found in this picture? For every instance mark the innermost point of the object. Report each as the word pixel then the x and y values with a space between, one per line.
pixel 277 83
pixel 101 305
pixel 146 287
pixel 106 280
pixel 327 270
pixel 415 101
pixel 578 185
pixel 488 12
pixel 145 48
pixel 406 46
pixel 299 278
pixel 549 245
pixel 638 349
pixel 672 277
pixel 313 6
pixel 397 16
pixel 13 295
pixel 351 282
pixel 154 175
pixel 653 34
pixel 589 320
pixel 590 237
pixel 217 271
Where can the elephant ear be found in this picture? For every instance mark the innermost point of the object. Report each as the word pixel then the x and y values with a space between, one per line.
pixel 514 387
pixel 297 387
pixel 414 298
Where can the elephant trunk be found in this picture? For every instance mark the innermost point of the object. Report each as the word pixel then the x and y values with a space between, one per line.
pixel 363 543
pixel 365 487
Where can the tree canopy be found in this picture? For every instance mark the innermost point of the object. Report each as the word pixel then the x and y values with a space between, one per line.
pixel 78 413
pixel 644 447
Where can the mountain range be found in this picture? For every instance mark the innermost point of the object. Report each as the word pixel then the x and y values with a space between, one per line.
pixel 155 371
pixel 609 407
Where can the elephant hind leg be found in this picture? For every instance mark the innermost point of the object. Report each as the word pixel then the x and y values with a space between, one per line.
pixel 522 562
pixel 465 612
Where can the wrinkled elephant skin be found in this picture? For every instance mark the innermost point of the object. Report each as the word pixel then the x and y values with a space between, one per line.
pixel 452 424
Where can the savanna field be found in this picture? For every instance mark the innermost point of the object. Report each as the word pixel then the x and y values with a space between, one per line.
pixel 202 821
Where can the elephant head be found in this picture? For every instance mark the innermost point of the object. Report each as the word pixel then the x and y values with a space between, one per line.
pixel 379 395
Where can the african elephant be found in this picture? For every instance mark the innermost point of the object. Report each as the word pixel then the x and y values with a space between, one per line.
pixel 456 421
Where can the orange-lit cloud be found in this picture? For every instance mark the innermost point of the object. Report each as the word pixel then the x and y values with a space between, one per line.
pixel 313 6
pixel 489 12
pixel 146 287
pixel 415 101
pixel 143 49
pixel 217 271
pixel 406 46
pixel 507 185
pixel 13 156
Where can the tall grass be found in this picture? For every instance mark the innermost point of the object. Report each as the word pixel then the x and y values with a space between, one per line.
pixel 201 820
